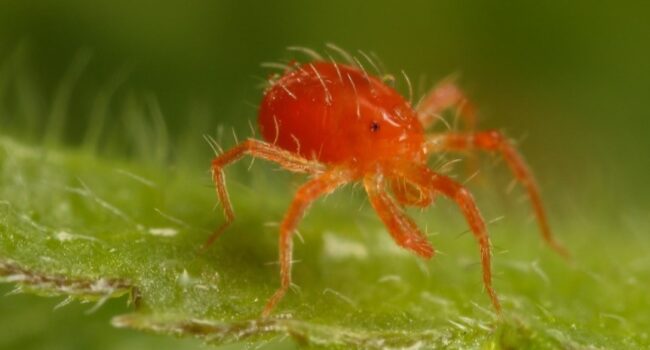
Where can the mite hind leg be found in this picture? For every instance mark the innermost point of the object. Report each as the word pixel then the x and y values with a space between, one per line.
pixel 446 95
pixel 258 149
pixel 494 141
pixel 305 195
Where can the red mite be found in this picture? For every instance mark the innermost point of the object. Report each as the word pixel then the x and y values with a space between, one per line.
pixel 340 124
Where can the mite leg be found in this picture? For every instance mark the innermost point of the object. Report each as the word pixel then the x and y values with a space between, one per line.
pixel 494 141
pixel 456 192
pixel 407 194
pixel 401 227
pixel 442 97
pixel 305 195
pixel 259 149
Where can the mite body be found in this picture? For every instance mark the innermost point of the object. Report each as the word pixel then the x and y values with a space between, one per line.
pixel 337 115
pixel 340 124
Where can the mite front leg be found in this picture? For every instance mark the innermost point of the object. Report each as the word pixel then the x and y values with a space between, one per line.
pixel 401 227
pixel 495 141
pixel 442 97
pixel 456 192
pixel 305 195
pixel 258 149
pixel 407 194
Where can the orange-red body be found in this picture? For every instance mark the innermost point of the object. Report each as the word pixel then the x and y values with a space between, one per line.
pixel 356 120
pixel 340 124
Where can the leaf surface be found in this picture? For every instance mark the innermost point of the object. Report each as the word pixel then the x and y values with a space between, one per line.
pixel 91 228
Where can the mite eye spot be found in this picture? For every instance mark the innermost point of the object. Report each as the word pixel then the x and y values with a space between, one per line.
pixel 374 126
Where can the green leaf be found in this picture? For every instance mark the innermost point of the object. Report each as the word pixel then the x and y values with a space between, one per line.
pixel 88 228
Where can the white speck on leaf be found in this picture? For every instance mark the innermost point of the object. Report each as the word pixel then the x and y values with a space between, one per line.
pixel 340 248
pixel 64 236
pixel 185 280
pixel 163 231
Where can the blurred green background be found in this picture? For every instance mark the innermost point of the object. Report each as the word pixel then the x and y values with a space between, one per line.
pixel 570 79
